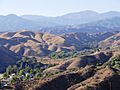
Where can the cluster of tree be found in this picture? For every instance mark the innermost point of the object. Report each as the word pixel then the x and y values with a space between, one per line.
pixel 114 62
pixel 26 67
pixel 63 54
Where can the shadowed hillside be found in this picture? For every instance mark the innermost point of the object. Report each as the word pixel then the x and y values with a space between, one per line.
pixel 7 58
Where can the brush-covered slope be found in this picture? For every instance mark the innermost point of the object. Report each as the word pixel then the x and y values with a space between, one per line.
pixel 81 62
pixel 98 71
pixel 88 78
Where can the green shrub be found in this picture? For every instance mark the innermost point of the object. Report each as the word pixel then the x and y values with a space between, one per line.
pixel 114 62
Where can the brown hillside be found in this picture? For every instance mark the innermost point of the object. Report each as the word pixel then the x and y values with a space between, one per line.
pixel 30 43
pixel 111 42
pixel 83 61
pixel 88 78
pixel 57 82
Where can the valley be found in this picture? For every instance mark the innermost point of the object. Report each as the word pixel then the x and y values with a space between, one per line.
pixel 38 61
pixel 75 51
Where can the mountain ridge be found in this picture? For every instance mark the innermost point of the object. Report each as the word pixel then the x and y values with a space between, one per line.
pixel 71 22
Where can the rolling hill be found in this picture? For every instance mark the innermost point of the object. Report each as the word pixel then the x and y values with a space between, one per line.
pixel 28 43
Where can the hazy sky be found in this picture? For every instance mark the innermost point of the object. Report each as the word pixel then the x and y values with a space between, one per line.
pixel 56 7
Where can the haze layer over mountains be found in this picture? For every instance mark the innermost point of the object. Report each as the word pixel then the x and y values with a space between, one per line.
pixel 85 21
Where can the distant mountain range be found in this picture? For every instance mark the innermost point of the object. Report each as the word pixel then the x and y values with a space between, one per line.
pixel 85 21
pixel 74 18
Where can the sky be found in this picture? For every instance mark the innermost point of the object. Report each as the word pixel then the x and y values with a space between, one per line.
pixel 56 7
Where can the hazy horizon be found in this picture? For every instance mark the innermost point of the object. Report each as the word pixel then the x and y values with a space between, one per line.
pixel 57 15
pixel 55 8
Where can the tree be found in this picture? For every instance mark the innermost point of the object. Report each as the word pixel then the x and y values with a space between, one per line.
pixel 53 55
pixel 14 79
pixel 21 72
pixel 5 75
pixel 27 69
pixel 114 62
pixel 27 76
pixel 31 71
pixel 15 69
pixel 9 70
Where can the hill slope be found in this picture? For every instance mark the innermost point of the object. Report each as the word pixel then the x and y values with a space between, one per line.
pixel 7 58
pixel 111 42
pixel 30 43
